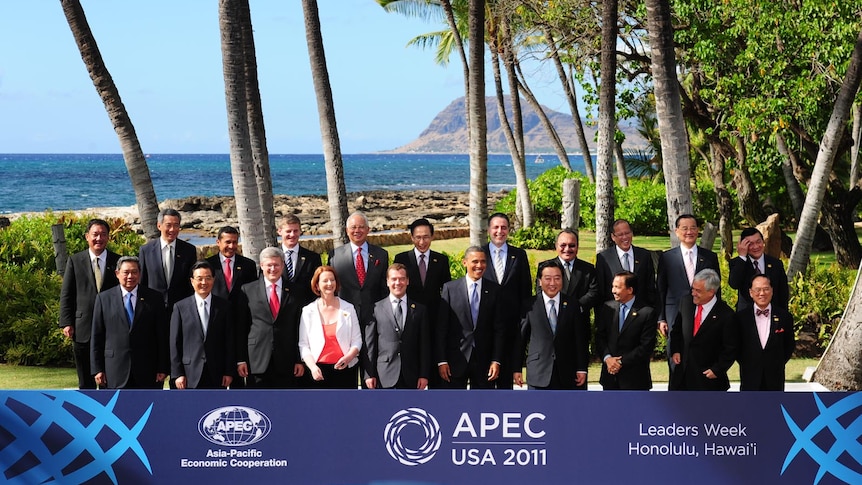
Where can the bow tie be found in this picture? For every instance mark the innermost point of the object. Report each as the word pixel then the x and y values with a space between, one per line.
pixel 764 312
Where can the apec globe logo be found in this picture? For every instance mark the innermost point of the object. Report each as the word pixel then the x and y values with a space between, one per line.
pixel 409 427
pixel 234 426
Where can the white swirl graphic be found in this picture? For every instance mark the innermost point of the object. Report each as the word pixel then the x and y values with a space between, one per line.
pixel 405 454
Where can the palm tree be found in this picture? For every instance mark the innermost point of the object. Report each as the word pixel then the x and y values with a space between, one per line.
pixel 335 187
pixel 133 155
pixel 478 213
pixel 607 127
pixel 241 161
pixel 676 164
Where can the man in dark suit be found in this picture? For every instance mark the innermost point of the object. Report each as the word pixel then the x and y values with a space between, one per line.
pixel 470 336
pixel 509 267
pixel 623 256
pixel 299 262
pixel 166 262
pixel 625 336
pixel 398 338
pixel 202 341
pixel 676 270
pixel 703 338
pixel 766 340
pixel 87 273
pixel 753 261
pixel 556 334
pixel 129 343
pixel 580 284
pixel 425 289
pixel 267 334
pixel 345 259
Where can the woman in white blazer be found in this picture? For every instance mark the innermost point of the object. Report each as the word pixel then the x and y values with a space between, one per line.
pixel 329 335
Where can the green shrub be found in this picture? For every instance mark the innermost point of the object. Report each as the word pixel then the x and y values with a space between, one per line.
pixel 644 205
pixel 456 266
pixel 819 296
pixel 538 236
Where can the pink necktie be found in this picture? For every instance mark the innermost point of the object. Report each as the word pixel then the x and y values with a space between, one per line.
pixel 228 275
pixel 273 302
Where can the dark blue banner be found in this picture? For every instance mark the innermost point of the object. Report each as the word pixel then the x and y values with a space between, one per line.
pixel 518 437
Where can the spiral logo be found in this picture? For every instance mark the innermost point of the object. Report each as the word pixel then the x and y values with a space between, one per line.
pixel 405 453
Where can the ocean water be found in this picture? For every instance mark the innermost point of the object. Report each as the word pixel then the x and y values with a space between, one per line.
pixel 38 182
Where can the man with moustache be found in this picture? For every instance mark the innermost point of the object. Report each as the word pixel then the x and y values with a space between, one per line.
pixel 624 256
pixel 625 336
pixel 510 268
pixel 166 262
pixel 704 339
pixel 299 262
pixel 87 273
pixel 267 334
pixel 470 335
pixel 557 336
pixel 398 338
pixel 201 340
pixel 766 340
pixel 753 261
pixel 129 340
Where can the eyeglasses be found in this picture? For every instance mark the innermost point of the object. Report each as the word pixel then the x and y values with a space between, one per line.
pixel 570 246
pixel 761 290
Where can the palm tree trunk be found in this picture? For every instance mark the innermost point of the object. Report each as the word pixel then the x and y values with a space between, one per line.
pixel 133 155
pixel 241 161
pixel 335 186
pixel 794 191
pixel 823 166
pixel 607 100
pixel 620 157
pixel 750 207
pixel 569 91
pixel 559 148
pixel 462 53
pixel 256 128
pixel 671 124
pixel 478 215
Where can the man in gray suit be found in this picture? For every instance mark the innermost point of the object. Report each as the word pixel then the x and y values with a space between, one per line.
pixel 556 333
pixel 87 273
pixel 398 338
pixel 267 342
pixel 166 262
pixel 129 343
pixel 202 344
pixel 470 335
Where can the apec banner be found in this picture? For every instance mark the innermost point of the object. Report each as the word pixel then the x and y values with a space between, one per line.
pixel 429 437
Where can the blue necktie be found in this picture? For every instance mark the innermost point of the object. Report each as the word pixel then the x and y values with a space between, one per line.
pixel 474 303
pixel 623 312
pixel 130 312
pixel 552 316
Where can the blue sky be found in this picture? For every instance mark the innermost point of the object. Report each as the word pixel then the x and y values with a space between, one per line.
pixel 165 58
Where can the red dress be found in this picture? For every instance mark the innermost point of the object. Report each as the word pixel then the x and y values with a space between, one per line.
pixel 331 350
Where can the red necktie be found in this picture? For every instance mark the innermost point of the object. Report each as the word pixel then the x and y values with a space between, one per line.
pixel 228 275
pixel 273 302
pixel 360 267
pixel 698 316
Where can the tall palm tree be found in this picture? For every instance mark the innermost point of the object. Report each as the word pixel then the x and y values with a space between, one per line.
pixel 478 213
pixel 607 127
pixel 671 124
pixel 335 186
pixel 133 155
pixel 241 161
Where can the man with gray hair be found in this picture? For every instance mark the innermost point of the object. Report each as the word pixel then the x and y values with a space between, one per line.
pixel 704 338
pixel 267 332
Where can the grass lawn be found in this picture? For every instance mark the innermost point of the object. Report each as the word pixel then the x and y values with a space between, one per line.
pixel 23 377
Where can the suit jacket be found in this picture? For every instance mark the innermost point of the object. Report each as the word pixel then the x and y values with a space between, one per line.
pixel 635 342
pixel 153 271
pixel 191 350
pixel 741 272
pixel 121 352
pixel 361 297
pixel 542 350
pixel 608 265
pixel 762 368
pixel 455 334
pixel 515 299
pixel 396 351
pixel 78 293
pixel 714 347
pixel 437 274
pixel 582 287
pixel 312 338
pixel 672 280
pixel 307 261
pixel 262 341
pixel 245 270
